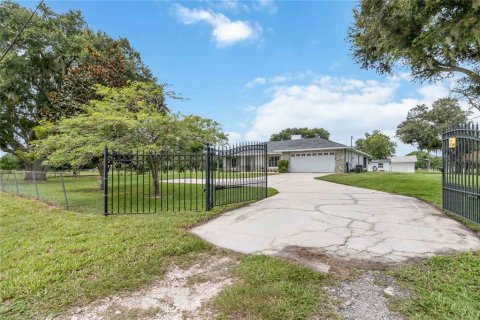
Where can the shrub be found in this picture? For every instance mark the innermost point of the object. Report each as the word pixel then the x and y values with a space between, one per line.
pixel 10 162
pixel 282 166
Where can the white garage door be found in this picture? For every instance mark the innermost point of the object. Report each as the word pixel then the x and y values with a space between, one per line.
pixel 312 162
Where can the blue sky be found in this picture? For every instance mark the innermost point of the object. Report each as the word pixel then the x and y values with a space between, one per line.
pixel 259 67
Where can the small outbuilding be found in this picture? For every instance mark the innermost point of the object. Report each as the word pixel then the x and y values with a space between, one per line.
pixel 382 165
pixel 394 164
pixel 403 164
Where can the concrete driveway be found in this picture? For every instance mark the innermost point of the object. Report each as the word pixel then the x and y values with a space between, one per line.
pixel 339 221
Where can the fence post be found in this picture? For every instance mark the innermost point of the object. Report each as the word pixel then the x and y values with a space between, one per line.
pixel 444 167
pixel 64 191
pixel 266 168
pixel 105 181
pixel 16 182
pixel 35 183
pixel 1 180
pixel 208 202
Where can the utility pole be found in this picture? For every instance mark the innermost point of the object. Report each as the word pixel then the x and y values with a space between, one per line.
pixel 20 32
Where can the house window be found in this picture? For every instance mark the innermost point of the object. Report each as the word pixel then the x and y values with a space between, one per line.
pixel 272 161
pixel 293 154
pixel 303 154
pixel 332 154
pixel 380 166
pixel 325 154
pixel 309 154
pixel 314 154
pixel 234 162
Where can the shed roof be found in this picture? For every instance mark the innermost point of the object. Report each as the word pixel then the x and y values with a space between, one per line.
pixel 381 161
pixel 404 159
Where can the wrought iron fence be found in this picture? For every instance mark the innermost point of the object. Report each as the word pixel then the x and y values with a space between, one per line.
pixel 461 171
pixel 140 182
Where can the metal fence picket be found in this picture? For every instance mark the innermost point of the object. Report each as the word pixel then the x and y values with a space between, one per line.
pixel 461 171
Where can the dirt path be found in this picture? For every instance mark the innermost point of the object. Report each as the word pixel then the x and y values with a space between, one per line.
pixel 365 298
pixel 181 294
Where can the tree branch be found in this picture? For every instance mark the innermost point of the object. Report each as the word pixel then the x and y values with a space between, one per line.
pixel 455 68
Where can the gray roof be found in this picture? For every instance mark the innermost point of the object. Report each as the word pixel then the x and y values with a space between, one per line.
pixel 302 144
pixel 381 161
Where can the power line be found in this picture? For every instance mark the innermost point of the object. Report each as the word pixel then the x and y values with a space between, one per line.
pixel 21 30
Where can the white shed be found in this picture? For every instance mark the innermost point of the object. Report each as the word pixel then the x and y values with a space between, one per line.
pixel 382 165
pixel 403 164
pixel 394 164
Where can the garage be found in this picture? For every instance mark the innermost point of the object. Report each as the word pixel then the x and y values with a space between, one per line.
pixel 312 162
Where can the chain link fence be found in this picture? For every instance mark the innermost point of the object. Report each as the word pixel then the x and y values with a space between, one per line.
pixel 63 189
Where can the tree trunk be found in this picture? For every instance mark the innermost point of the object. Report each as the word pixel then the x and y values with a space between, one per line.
pixel 35 170
pixel 156 183
pixel 101 182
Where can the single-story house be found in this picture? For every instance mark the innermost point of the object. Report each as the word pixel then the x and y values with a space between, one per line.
pixel 304 155
pixel 394 164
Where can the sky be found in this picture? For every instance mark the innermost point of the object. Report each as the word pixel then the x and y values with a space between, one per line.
pixel 258 67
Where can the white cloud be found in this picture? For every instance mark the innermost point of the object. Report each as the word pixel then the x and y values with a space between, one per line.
pixel 234 6
pixel 225 31
pixel 265 5
pixel 433 92
pixel 234 137
pixel 343 106
pixel 249 108
pixel 279 79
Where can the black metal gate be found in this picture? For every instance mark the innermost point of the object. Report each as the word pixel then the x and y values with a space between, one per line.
pixel 461 171
pixel 149 182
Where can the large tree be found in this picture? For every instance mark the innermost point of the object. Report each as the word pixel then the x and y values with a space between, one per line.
pixel 426 161
pixel 122 119
pixel 286 134
pixel 424 125
pixel 376 144
pixel 433 39
pixel 50 71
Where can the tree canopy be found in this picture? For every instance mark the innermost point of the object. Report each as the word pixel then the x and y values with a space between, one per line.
pixel 9 162
pixel 50 71
pixel 433 39
pixel 425 159
pixel 376 144
pixel 122 119
pixel 286 134
pixel 424 125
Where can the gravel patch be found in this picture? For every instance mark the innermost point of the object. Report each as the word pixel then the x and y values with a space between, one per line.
pixel 181 294
pixel 366 297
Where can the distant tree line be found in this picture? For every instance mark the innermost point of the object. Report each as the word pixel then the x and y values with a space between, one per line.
pixel 287 133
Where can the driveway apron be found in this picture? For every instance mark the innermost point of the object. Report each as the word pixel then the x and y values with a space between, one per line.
pixel 339 221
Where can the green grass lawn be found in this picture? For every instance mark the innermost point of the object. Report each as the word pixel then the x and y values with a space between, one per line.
pixel 53 260
pixel 272 288
pixel 441 287
pixel 424 186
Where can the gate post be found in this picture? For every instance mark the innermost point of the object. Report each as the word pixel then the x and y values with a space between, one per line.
pixel 208 200
pixel 444 167
pixel 105 181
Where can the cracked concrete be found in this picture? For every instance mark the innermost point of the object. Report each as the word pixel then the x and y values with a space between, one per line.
pixel 341 221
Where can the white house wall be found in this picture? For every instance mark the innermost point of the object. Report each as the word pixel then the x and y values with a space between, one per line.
pixel 408 167
pixel 355 159
pixel 244 163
